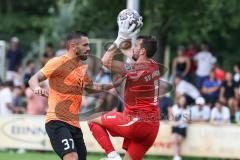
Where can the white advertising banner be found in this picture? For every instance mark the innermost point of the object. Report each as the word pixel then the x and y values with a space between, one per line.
pixel 203 140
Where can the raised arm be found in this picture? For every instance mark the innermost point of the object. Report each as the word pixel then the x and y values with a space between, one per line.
pixel 113 65
pixel 125 33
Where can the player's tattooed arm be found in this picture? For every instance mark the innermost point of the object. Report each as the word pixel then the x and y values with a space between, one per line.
pixel 113 65
pixel 97 87
pixel 34 84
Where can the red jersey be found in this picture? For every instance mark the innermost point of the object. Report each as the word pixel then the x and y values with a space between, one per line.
pixel 141 94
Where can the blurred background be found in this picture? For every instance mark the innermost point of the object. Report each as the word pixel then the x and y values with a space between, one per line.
pixel 197 42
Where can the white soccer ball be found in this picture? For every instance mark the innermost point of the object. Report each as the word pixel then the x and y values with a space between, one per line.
pixel 130 15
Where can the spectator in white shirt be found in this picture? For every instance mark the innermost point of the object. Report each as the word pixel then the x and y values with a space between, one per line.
pixel 180 114
pixel 205 62
pixel 220 114
pixel 200 112
pixel 187 89
pixel 236 76
pixel 6 99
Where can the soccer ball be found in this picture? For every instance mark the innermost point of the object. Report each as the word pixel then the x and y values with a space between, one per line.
pixel 130 15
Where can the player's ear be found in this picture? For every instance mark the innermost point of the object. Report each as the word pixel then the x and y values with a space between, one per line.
pixel 72 45
pixel 143 51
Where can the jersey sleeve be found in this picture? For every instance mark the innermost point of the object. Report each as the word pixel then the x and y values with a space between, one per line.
pixel 50 66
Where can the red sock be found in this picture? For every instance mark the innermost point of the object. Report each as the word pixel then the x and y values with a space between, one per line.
pixel 102 137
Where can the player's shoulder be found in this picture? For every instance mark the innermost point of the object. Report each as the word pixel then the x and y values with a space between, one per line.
pixel 54 59
pixel 57 59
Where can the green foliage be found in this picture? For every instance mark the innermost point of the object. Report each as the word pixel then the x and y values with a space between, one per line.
pixel 178 22
pixel 98 18
pixel 171 22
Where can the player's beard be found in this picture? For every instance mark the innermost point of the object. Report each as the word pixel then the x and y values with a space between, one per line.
pixel 135 57
pixel 81 56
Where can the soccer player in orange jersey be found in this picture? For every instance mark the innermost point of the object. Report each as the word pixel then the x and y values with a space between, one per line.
pixel 68 78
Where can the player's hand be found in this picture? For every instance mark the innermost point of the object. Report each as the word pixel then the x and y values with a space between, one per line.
pixel 127 31
pixel 40 92
pixel 118 79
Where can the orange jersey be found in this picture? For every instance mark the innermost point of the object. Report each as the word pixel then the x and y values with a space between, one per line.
pixel 67 78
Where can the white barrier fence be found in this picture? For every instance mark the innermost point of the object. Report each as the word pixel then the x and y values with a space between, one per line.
pixel 203 140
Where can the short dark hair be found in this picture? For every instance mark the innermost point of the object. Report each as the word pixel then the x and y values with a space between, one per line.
pixel 75 35
pixel 149 44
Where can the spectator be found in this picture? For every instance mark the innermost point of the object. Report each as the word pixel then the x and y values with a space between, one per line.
pixel 62 48
pixel 219 74
pixel 237 116
pixel 105 99
pixel 18 100
pixel 187 89
pixel 18 77
pixel 103 76
pixel 6 99
pixel 48 54
pixel 190 53
pixel 211 88
pixel 200 112
pixel 181 115
pixel 181 64
pixel 36 105
pixel 165 104
pixel 14 56
pixel 205 61
pixel 229 93
pixel 29 72
pixel 220 114
pixel 237 74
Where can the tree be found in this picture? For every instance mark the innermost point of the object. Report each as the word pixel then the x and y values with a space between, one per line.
pixel 178 22
pixel 172 22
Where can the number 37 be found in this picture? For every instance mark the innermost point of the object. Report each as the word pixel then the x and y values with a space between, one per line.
pixel 67 144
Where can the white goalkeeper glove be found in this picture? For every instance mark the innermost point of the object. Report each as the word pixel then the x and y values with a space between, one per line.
pixel 126 31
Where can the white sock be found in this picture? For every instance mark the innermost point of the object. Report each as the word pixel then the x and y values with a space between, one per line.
pixel 113 154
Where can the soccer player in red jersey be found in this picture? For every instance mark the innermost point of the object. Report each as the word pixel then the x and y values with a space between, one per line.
pixel 139 122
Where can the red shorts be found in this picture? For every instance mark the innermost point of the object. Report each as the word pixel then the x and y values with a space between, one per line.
pixel 138 135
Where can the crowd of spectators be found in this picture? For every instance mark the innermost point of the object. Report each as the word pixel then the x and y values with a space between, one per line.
pixel 194 74
pixel 204 93
pixel 15 94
